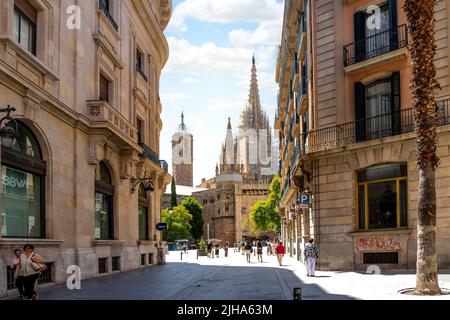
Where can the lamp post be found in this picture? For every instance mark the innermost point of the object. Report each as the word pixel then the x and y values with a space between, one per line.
pixel 8 135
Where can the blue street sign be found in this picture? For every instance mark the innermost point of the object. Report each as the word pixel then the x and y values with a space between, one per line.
pixel 305 198
pixel 162 226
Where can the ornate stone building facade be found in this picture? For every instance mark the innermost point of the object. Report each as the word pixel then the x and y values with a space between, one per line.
pixel 88 113
pixel 243 175
pixel 347 135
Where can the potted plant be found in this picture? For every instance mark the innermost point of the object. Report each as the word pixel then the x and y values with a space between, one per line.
pixel 202 247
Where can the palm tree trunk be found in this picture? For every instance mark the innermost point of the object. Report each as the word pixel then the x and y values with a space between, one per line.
pixel 420 16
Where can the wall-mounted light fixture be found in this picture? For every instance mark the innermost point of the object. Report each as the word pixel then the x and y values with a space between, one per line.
pixel 148 185
pixel 8 134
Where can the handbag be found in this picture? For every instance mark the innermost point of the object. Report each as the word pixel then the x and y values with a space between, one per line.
pixel 39 267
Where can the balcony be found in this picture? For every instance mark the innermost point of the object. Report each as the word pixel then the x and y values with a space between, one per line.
pixel 108 15
pixel 148 153
pixel 378 48
pixel 385 125
pixel 302 96
pixel 301 38
pixel 104 116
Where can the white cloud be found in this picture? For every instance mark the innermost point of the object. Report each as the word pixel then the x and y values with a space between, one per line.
pixel 174 96
pixel 189 80
pixel 267 33
pixel 229 11
pixel 205 59
pixel 226 106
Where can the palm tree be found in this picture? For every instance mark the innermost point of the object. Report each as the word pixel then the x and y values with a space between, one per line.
pixel 420 16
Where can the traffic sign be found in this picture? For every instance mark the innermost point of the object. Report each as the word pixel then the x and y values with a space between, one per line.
pixel 162 226
pixel 305 198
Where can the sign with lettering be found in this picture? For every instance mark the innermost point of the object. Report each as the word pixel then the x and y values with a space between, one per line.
pixel 162 226
pixel 305 199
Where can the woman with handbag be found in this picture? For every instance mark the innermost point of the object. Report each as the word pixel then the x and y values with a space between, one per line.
pixel 31 265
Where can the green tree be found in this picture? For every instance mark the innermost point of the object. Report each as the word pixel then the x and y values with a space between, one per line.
pixel 173 195
pixel 196 210
pixel 263 213
pixel 178 223
pixel 420 16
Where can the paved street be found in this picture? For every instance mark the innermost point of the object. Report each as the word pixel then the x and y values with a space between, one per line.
pixel 233 279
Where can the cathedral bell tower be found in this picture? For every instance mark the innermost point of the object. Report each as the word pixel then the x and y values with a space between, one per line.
pixel 182 155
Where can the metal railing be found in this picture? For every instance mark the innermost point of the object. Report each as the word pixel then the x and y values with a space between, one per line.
pixel 376 45
pixel 153 156
pixel 108 15
pixel 361 130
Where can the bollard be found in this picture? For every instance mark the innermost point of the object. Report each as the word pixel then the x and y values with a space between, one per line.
pixel 197 254
pixel 181 255
pixel 297 293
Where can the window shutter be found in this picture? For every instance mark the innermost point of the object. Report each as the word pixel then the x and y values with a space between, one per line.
pixel 395 103
pixel 393 24
pixel 360 112
pixel 360 30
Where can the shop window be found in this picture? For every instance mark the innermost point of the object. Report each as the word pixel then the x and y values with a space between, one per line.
pixel 23 175
pixel 382 197
pixel 380 257
pixel 143 213
pixel 104 196
pixel 24 27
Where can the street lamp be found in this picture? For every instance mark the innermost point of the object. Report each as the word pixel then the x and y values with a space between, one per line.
pixel 8 135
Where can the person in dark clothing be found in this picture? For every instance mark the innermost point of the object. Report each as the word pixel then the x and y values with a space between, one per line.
pixel 259 251
pixel 248 251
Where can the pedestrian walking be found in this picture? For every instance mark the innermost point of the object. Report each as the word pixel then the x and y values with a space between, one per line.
pixel 280 251
pixel 184 248
pixel 311 254
pixel 269 248
pixel 248 251
pixel 243 247
pixel 209 250
pixel 217 250
pixel 225 248
pixel 18 275
pixel 259 251
pixel 31 265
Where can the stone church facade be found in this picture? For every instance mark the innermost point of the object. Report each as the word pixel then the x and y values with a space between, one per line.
pixel 243 175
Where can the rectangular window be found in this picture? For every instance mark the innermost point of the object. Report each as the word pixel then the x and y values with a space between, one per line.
pixel 25 18
pixel 380 257
pixel 382 197
pixel 102 265
pixel 138 60
pixel 115 265
pixel 227 207
pixel 139 127
pixel 143 259
pixel 46 276
pixel 150 258
pixel 21 201
pixel 104 89
pixel 244 210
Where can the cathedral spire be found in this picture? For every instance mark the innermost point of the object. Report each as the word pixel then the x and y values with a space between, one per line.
pixel 182 126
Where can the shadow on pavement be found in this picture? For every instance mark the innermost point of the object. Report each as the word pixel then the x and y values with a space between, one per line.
pixel 180 281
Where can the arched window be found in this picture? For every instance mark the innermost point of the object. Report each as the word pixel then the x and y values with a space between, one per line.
pixel 23 176
pixel 104 199
pixel 382 197
pixel 143 213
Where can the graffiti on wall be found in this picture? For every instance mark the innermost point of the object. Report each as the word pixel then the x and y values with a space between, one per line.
pixel 377 243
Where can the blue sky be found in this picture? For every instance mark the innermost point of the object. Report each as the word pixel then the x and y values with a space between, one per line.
pixel 211 43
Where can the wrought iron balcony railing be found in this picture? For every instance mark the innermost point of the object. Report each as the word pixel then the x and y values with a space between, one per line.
pixel 376 45
pixel 153 156
pixel 380 126
pixel 108 15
